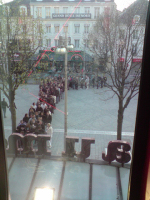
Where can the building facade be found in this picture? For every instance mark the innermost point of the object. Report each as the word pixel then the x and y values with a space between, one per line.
pixel 74 16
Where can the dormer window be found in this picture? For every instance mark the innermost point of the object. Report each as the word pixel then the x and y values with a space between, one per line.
pixel 23 10
pixel 6 10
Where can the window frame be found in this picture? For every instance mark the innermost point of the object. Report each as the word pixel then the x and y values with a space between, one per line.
pixel 96 12
pixel 76 43
pixel 48 12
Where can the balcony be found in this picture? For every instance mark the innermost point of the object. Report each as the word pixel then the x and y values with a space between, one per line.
pixel 73 16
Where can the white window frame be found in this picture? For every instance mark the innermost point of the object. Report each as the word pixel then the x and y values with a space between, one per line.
pixel 48 42
pixel 96 12
pixel 76 29
pixel 56 10
pixel 76 43
pixel 39 11
pixel 77 10
pixel 56 42
pixel 56 28
pixel 65 10
pixel 48 28
pixel 86 43
pixel 23 10
pixel 48 12
pixel 65 29
pixel 86 29
pixel 87 9
pixel 40 42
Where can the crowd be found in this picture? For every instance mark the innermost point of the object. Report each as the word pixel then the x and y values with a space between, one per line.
pixel 86 82
pixel 38 120
pixel 39 117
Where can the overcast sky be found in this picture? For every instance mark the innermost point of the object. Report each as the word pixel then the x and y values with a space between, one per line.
pixel 121 4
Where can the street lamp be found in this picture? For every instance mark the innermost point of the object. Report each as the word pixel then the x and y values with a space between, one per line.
pixel 64 50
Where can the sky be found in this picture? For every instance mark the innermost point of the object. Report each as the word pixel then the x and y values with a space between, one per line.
pixel 121 4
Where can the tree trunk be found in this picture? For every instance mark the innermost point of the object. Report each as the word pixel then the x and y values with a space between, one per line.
pixel 12 105
pixel 13 118
pixel 120 120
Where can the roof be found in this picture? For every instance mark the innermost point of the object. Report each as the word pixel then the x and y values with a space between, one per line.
pixel 70 180
pixel 19 2
pixel 61 1
pixel 139 7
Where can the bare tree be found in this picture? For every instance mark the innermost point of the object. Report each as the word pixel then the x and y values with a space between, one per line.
pixel 19 34
pixel 119 44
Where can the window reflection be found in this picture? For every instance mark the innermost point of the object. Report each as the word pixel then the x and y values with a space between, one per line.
pixel 103 69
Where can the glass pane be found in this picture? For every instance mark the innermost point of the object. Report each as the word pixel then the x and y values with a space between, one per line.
pixel 69 88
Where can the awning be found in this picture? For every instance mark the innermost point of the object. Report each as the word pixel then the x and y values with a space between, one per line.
pixel 74 56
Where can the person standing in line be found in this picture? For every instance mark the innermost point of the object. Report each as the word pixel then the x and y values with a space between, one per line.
pixel 49 131
pixel 87 81
pixel 4 105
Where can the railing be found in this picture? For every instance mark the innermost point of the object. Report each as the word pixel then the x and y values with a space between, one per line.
pixel 117 150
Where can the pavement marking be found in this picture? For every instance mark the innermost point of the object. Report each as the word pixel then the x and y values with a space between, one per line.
pixel 93 132
pixel 85 131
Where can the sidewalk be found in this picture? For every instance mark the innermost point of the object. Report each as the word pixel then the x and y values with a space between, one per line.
pixel 89 116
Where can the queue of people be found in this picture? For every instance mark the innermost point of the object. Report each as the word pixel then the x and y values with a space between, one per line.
pixel 38 120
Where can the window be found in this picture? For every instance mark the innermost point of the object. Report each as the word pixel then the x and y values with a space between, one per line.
pixel 6 10
pixel 86 28
pixel 96 44
pixel 121 34
pixel 56 10
pixel 65 29
pixel 76 43
pixel 48 42
pixel 23 10
pixel 77 28
pixel 135 34
pixel 134 49
pixel 48 13
pixel 39 11
pixel 0 28
pixel 69 40
pixel 56 42
pixel 77 10
pixel 39 28
pixel 40 42
pixel 48 28
pixel 87 9
pixel 65 9
pixel 86 43
pixel 24 28
pixel 56 28
pixel 93 106
pixel 96 12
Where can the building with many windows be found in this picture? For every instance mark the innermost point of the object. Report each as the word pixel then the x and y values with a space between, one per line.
pixel 74 16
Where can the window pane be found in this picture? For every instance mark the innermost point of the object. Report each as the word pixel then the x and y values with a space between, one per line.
pixel 48 13
pixel 69 110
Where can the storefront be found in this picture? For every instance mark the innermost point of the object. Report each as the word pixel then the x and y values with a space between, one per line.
pixel 48 60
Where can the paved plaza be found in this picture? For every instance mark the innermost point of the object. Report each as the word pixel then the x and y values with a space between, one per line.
pixel 89 115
